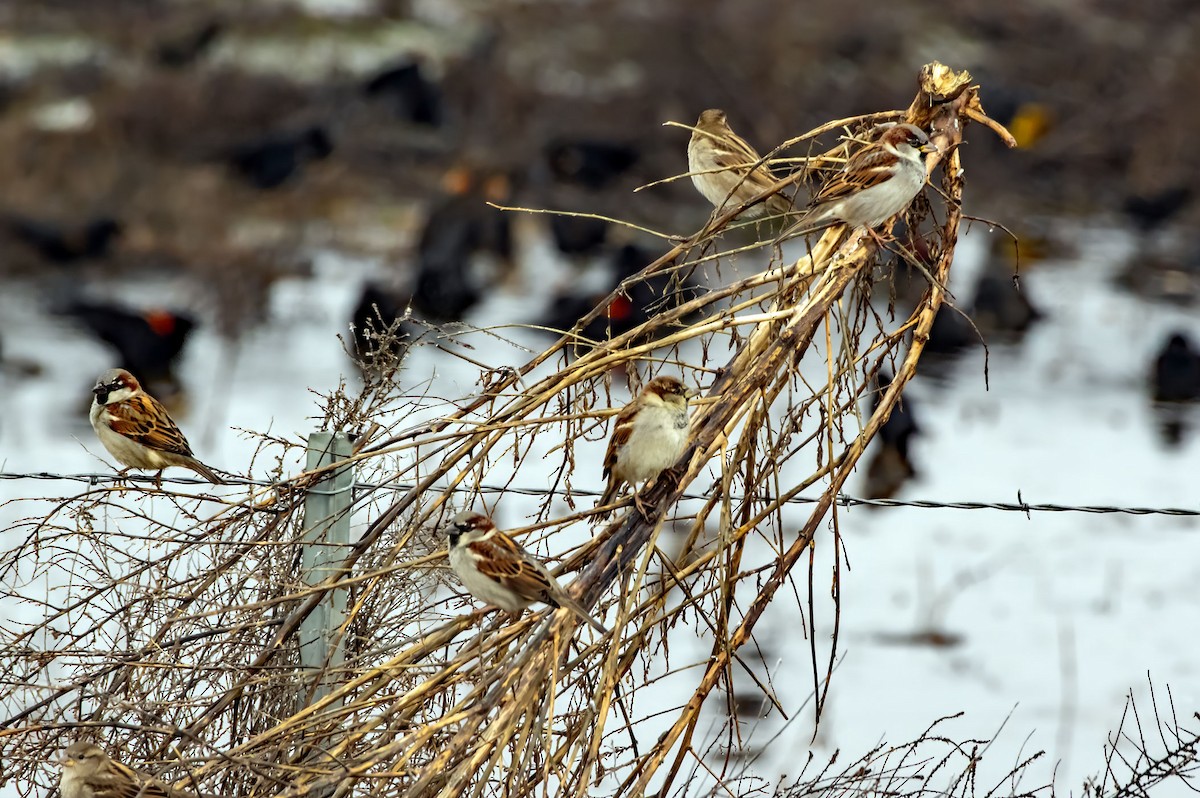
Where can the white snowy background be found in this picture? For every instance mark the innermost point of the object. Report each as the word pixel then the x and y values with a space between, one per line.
pixel 1060 615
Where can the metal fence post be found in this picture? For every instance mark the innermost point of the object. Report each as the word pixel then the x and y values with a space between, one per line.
pixel 326 544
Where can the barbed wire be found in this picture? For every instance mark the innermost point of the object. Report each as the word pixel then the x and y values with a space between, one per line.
pixel 843 500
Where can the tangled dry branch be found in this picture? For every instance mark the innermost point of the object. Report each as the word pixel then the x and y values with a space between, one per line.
pixel 172 632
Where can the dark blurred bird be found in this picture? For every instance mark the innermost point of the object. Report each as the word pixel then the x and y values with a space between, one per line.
pixel 951 333
pixel 381 335
pixel 638 304
pixel 64 244
pixel 184 49
pixel 1150 211
pixel 578 236
pixel 1176 376
pixel 902 424
pixel 147 343
pixel 272 160
pixel 890 466
pixel 1002 308
pixel 412 96
pixel 449 281
pixel 593 164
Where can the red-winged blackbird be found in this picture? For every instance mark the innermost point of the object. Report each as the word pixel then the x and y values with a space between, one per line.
pixel 147 343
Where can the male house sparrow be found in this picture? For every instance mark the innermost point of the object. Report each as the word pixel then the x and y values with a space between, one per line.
pixel 88 772
pixel 136 429
pixel 649 437
pixel 720 162
pixel 879 181
pixel 494 568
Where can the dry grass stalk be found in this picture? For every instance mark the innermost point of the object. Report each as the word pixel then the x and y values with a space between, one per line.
pixel 186 652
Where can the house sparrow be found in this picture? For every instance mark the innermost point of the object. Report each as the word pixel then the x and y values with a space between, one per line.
pixel 494 568
pixel 649 437
pixel 878 182
pixel 88 772
pixel 720 162
pixel 136 429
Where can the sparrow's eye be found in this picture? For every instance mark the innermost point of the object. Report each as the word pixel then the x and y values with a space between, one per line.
pixel 463 527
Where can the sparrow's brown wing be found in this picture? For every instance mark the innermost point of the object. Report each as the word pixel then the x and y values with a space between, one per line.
pixel 119 781
pixel 142 419
pixel 620 436
pixel 501 558
pixel 869 167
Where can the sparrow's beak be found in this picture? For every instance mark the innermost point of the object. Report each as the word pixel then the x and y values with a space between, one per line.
pixel 66 761
pixel 929 147
pixel 101 392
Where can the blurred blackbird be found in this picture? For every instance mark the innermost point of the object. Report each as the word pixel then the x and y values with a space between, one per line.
pixel 890 467
pixel 901 424
pixel 183 50
pixel 1176 376
pixel 272 160
pixel 951 333
pixel 887 472
pixel 1000 307
pixel 380 335
pixel 1148 212
pixel 592 164
pixel 147 343
pixel 412 96
pixel 445 291
pixel 462 225
pixel 642 301
pixel 61 244
pixel 578 236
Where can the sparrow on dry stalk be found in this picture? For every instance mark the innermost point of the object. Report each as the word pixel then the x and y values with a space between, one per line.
pixel 136 429
pixel 878 182
pixel 88 772
pixel 494 568
pixel 727 171
pixel 650 436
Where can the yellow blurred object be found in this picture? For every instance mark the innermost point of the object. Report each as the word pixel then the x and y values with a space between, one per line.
pixel 1030 123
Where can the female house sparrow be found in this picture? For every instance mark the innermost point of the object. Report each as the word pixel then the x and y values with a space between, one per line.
pixel 88 772
pixel 494 568
pixel 878 182
pixel 720 162
pixel 649 437
pixel 136 429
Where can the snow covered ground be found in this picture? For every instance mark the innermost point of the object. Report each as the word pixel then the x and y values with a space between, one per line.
pixel 1059 616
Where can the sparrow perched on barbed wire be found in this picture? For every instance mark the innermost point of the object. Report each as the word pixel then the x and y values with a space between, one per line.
pixel 727 171
pixel 494 568
pixel 88 772
pixel 878 182
pixel 649 437
pixel 136 429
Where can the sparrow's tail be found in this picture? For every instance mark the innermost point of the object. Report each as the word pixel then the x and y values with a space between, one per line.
pixel 577 608
pixel 206 472
pixel 610 496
